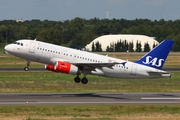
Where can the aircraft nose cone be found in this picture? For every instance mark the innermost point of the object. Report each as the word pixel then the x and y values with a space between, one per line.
pixel 7 48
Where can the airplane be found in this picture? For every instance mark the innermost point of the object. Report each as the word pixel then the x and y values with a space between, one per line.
pixel 76 62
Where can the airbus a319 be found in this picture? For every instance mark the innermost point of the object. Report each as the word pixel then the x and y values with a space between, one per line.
pixel 71 61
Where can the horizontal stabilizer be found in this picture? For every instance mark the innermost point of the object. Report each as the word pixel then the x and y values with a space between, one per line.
pixel 160 74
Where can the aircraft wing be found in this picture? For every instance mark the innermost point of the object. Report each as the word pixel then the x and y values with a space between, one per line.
pixel 88 66
pixel 93 66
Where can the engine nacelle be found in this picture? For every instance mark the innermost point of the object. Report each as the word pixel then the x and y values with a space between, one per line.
pixel 63 67
pixel 50 67
pixel 67 68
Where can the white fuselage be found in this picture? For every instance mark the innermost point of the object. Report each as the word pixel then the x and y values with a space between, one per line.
pixel 49 54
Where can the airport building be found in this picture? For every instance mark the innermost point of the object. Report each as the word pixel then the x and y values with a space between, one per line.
pixel 106 40
pixel 17 20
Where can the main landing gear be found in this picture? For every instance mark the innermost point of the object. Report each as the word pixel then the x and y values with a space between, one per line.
pixel 28 64
pixel 84 80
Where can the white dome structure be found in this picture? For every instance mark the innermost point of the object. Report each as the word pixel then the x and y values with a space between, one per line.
pixel 106 40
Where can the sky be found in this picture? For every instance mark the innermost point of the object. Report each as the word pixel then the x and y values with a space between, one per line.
pixel 59 10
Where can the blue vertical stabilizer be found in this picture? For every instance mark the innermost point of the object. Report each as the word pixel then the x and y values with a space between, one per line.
pixel 157 57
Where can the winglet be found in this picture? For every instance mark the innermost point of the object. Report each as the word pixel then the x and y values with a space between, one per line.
pixel 157 57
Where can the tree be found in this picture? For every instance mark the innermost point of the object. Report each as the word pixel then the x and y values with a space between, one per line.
pixel 3 33
pixel 146 47
pixel 107 49
pixel 176 46
pixel 117 46
pixel 112 47
pixel 81 31
pixel 154 45
pixel 138 47
pixel 98 47
pixel 93 47
pixel 125 46
pixel 131 47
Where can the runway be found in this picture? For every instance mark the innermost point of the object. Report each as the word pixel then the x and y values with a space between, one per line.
pixel 44 70
pixel 22 70
pixel 88 98
pixel 84 98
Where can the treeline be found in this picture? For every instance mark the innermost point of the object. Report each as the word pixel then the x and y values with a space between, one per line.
pixel 79 31
pixel 122 46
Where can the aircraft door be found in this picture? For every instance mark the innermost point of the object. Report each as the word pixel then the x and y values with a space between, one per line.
pixel 134 70
pixel 32 47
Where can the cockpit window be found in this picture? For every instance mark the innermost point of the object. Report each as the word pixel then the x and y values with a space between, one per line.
pixel 18 43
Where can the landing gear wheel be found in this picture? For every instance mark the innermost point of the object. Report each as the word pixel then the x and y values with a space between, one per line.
pixel 77 79
pixel 26 68
pixel 28 64
pixel 84 80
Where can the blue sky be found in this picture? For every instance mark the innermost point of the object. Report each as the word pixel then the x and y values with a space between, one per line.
pixel 58 10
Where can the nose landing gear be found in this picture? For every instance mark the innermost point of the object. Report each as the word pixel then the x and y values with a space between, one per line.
pixel 28 64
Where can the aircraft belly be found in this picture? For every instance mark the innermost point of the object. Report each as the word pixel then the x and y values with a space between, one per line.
pixel 110 72
pixel 120 73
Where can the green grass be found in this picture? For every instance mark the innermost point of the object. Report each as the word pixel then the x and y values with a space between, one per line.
pixel 93 112
pixel 9 61
pixel 58 82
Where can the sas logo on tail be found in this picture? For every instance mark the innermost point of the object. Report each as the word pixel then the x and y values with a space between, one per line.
pixel 155 61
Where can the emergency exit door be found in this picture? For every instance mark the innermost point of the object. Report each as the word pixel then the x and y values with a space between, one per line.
pixel 32 47
pixel 134 70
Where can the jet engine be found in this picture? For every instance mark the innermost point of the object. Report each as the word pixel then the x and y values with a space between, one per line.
pixel 49 67
pixel 63 67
